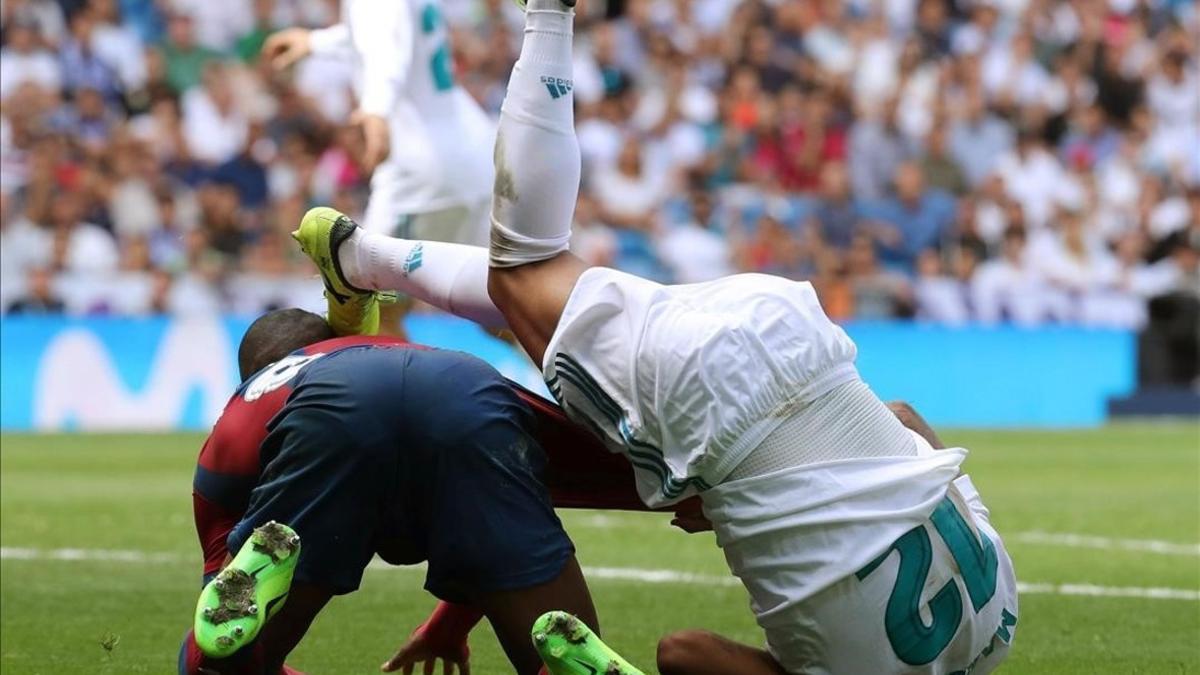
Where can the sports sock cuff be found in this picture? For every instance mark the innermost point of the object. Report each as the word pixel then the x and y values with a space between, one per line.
pixel 510 249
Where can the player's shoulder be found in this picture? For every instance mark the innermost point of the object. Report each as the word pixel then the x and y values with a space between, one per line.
pixel 338 344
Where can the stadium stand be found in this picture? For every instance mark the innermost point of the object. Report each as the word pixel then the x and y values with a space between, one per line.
pixel 1028 161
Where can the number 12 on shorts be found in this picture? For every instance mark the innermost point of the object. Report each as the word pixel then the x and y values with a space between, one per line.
pixel 915 642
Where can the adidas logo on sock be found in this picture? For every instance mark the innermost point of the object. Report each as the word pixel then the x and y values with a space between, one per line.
pixel 412 262
pixel 557 86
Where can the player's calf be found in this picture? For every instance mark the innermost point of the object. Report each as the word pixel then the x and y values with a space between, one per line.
pixel 698 652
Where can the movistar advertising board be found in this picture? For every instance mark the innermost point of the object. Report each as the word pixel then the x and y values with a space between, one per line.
pixel 61 374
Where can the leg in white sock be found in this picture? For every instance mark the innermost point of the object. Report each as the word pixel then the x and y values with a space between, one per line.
pixel 451 277
pixel 537 154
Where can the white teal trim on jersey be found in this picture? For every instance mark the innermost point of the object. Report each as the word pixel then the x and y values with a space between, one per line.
pixel 641 454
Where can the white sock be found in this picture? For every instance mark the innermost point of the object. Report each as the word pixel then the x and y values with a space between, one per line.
pixel 537 154
pixel 451 277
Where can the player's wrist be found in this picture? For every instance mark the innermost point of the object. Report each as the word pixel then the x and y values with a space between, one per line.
pixel 449 624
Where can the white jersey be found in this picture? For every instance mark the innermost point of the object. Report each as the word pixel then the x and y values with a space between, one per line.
pixel 441 140
pixel 844 527
pixel 686 380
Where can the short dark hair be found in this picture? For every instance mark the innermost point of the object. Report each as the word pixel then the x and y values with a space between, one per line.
pixel 276 334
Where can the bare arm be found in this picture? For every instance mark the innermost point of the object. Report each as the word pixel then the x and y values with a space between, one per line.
pixel 910 418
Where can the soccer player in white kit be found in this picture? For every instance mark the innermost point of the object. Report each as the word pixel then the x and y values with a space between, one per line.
pixel 427 141
pixel 863 549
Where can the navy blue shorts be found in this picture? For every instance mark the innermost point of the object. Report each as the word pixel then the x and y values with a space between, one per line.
pixel 415 455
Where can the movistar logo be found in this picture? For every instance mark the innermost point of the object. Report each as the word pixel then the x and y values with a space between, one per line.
pixel 557 86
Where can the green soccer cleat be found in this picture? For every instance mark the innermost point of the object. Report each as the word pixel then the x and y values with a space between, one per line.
pixel 569 647
pixel 352 311
pixel 235 605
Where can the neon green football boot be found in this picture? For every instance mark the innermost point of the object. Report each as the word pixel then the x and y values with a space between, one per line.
pixel 352 311
pixel 239 601
pixel 569 647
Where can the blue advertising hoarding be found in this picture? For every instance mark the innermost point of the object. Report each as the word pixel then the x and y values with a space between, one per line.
pixel 166 374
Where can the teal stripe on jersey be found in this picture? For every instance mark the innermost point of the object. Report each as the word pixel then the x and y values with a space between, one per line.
pixel 646 460
pixel 574 372
pixel 672 487
pixel 578 375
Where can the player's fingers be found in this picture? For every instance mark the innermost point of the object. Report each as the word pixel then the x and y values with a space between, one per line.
pixel 394 663
pixel 274 47
pixel 285 58
pixel 447 667
pixel 430 665
pixel 464 667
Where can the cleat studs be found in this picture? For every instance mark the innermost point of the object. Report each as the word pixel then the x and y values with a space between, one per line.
pixel 208 612
pixel 253 609
pixel 238 631
pixel 539 639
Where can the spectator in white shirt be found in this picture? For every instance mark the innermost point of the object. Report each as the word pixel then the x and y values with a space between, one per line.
pixel 1033 177
pixel 213 126
pixel 691 249
pixel 1173 94
pixel 219 23
pixel 939 297
pixel 1012 75
pixel 628 193
pixel 80 248
pixel 23 61
pixel 118 45
pixel 1074 264
pixel 1008 287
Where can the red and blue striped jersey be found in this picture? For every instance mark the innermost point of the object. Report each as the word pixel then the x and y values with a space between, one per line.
pixel 580 472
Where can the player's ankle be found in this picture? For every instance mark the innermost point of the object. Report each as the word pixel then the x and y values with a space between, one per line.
pixel 349 259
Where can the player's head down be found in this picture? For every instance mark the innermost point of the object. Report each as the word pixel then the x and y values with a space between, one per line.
pixel 276 334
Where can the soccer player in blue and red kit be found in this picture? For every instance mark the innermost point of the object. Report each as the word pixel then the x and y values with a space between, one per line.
pixel 368 445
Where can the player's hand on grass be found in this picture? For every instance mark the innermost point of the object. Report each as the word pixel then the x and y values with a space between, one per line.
pixel 286 47
pixel 376 139
pixel 422 648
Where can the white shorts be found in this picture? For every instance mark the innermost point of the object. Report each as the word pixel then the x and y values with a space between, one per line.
pixel 686 380
pixel 871 566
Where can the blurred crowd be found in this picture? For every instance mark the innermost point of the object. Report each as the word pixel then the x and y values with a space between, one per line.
pixel 1031 161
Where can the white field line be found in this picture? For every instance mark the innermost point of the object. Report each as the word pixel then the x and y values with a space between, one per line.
pixel 1065 539
pixel 1105 543
pixel 648 576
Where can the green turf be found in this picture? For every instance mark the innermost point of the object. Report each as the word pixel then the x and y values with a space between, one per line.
pixel 131 493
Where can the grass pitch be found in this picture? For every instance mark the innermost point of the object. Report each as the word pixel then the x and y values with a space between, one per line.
pixel 100 567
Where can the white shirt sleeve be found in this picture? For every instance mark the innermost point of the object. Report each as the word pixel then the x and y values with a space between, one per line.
pixel 331 41
pixel 382 33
